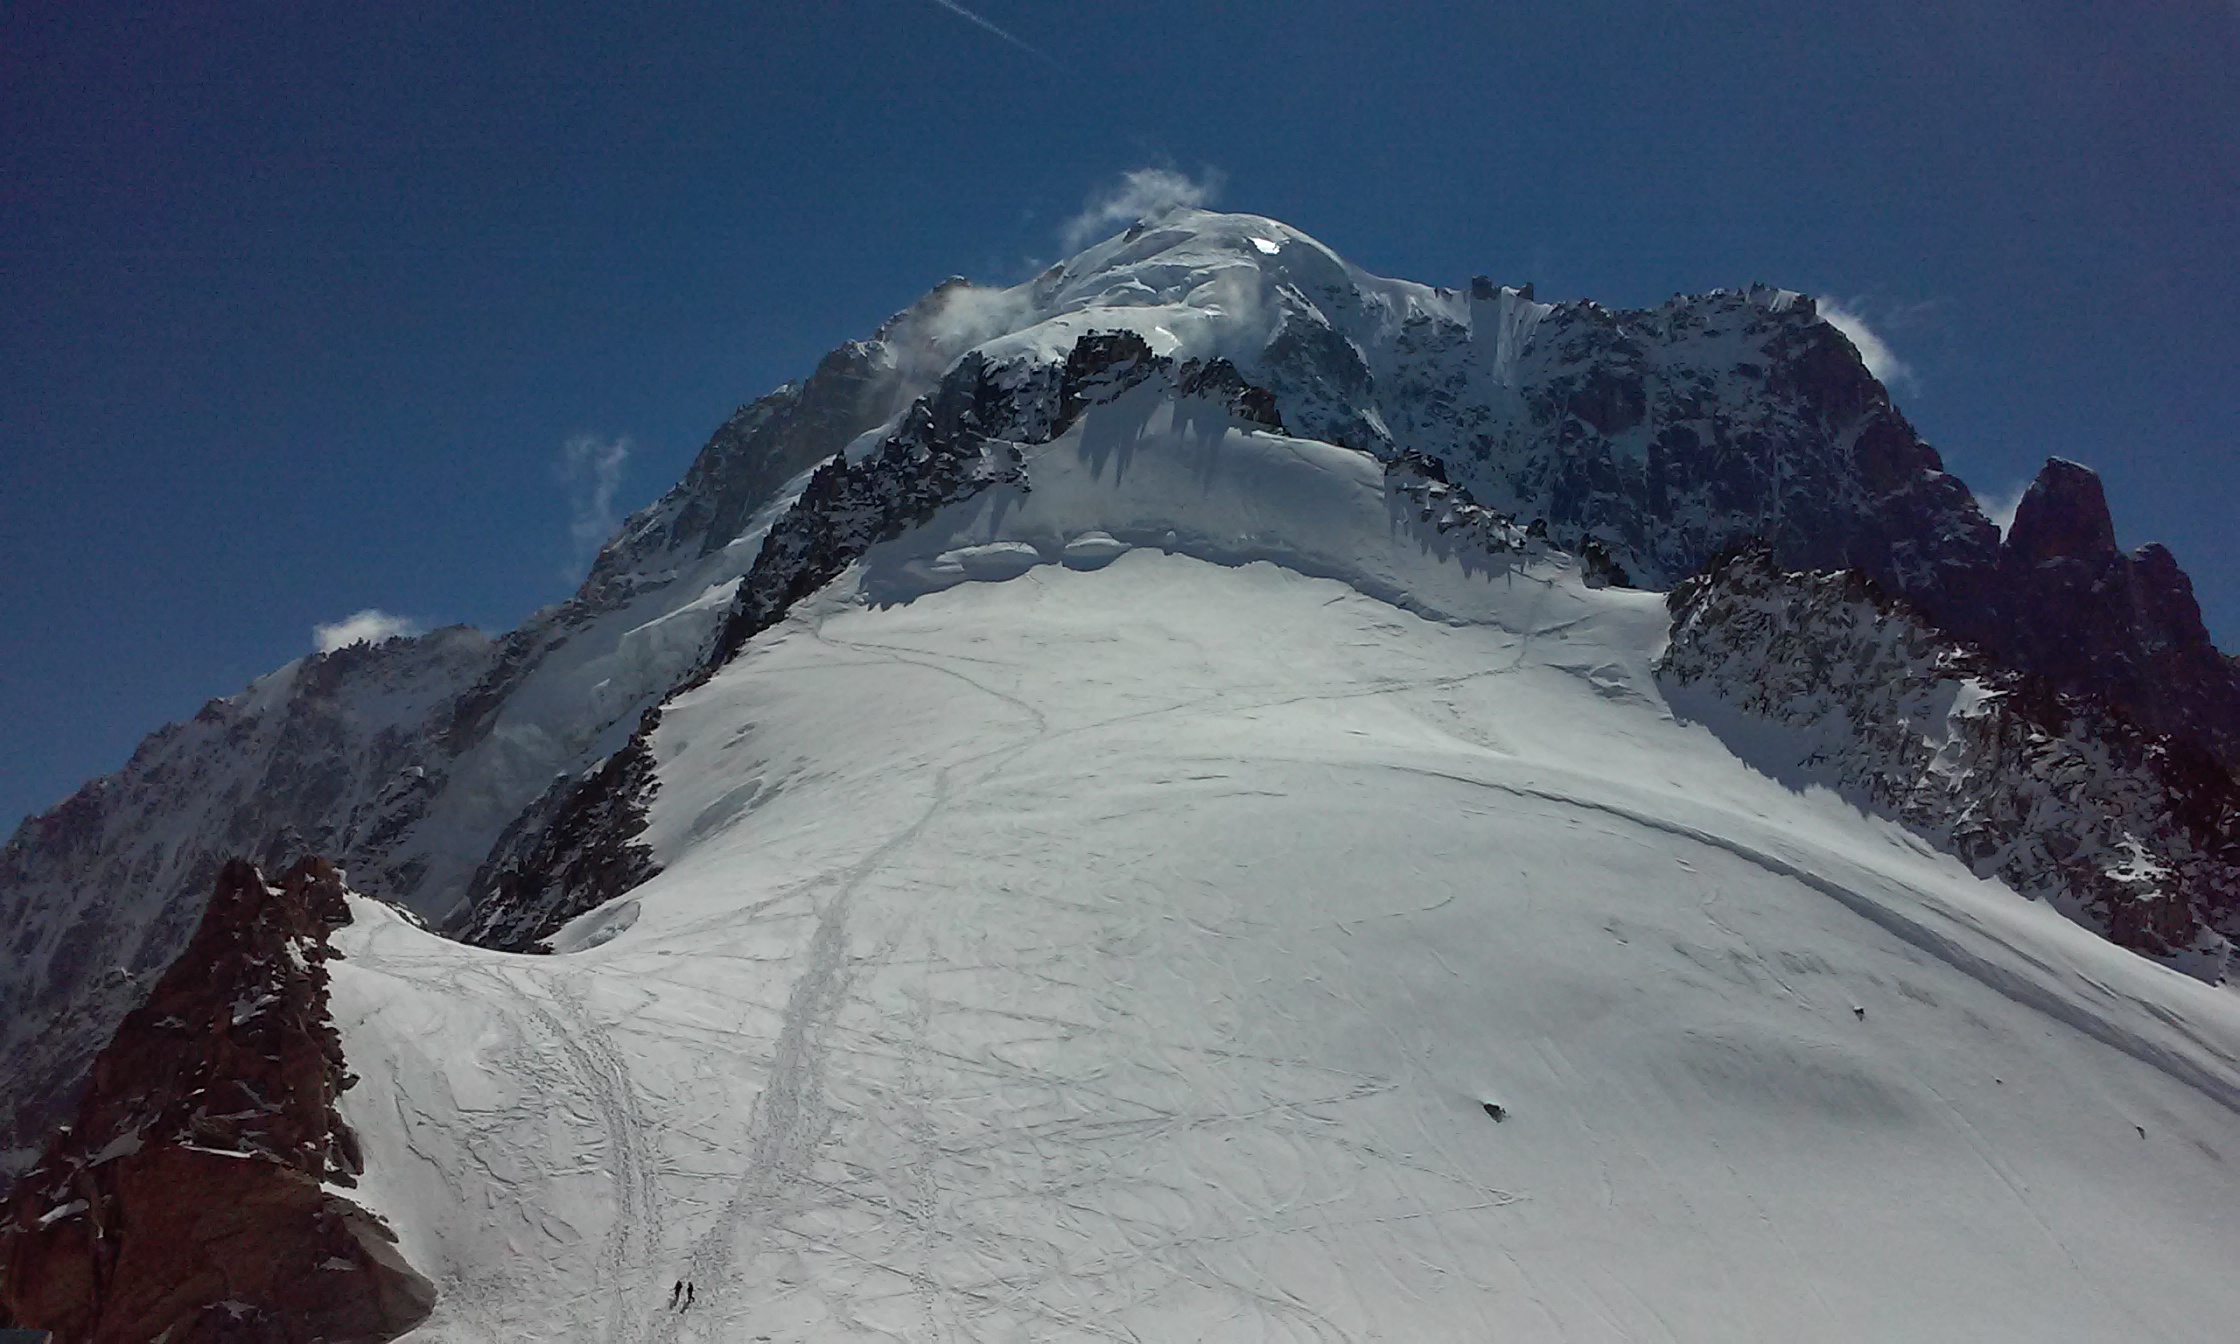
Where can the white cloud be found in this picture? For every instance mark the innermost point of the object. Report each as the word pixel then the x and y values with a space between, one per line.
pixel 370 626
pixel 1138 194
pixel 1880 359
pixel 591 469
pixel 1999 505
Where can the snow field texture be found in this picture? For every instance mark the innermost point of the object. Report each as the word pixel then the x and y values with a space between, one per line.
pixel 1106 911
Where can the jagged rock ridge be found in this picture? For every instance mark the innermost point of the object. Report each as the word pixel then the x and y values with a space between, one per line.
pixel 190 1198
pixel 330 755
pixel 2071 607
pixel 2131 833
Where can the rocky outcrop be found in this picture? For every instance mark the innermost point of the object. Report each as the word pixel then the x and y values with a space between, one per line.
pixel 954 442
pixel 574 850
pixel 1668 435
pixel 191 1198
pixel 1450 510
pixel 2072 607
pixel 2134 833
pixel 331 754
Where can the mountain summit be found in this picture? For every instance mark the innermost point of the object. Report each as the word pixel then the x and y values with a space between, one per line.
pixel 1079 817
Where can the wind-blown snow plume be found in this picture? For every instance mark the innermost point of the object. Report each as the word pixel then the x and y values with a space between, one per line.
pixel 1881 360
pixel 370 626
pixel 1140 192
pixel 591 468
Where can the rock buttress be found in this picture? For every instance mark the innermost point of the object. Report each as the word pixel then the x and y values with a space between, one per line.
pixel 189 1199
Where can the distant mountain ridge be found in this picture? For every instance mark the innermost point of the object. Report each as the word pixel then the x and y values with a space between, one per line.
pixel 1660 437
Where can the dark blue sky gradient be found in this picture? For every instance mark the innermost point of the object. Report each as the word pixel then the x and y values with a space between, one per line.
pixel 298 302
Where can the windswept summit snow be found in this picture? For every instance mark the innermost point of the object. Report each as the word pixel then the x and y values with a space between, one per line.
pixel 1141 805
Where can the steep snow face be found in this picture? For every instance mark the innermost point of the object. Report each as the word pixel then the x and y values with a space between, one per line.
pixel 1666 434
pixel 1111 906
pixel 1070 932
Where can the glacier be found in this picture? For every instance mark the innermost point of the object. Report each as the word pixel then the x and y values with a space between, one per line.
pixel 1129 949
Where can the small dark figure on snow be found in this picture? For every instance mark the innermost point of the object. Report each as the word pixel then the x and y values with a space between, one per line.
pixel 688 1294
pixel 1498 1111
pixel 676 1295
pixel 1859 1013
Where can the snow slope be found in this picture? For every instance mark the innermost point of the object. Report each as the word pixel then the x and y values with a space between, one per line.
pixel 1662 435
pixel 1106 910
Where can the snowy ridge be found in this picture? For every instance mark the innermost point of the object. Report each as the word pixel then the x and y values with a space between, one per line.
pixel 2129 833
pixel 578 848
pixel 1074 924
pixel 406 762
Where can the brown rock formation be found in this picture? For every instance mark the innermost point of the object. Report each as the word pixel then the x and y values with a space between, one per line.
pixel 189 1200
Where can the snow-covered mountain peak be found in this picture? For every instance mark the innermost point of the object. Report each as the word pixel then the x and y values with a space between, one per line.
pixel 1025 823
pixel 1025 754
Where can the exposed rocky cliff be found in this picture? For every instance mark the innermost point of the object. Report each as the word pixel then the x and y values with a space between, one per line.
pixel 1670 434
pixel 2072 607
pixel 192 1196
pixel 333 754
pixel 2129 831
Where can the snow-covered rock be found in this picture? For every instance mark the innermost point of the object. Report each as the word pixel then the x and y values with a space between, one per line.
pixel 2134 835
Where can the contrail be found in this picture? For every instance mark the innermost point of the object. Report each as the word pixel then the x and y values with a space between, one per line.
pixel 968 16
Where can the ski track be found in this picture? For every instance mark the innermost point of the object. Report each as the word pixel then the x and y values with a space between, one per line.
pixel 2020 988
pixel 959 1122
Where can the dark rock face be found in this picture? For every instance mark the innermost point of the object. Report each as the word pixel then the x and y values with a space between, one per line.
pixel 2135 834
pixel 187 1200
pixel 573 851
pixel 956 441
pixel 1669 434
pixel 2072 608
pixel 97 896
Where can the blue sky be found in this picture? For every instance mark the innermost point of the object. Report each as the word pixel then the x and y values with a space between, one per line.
pixel 310 308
